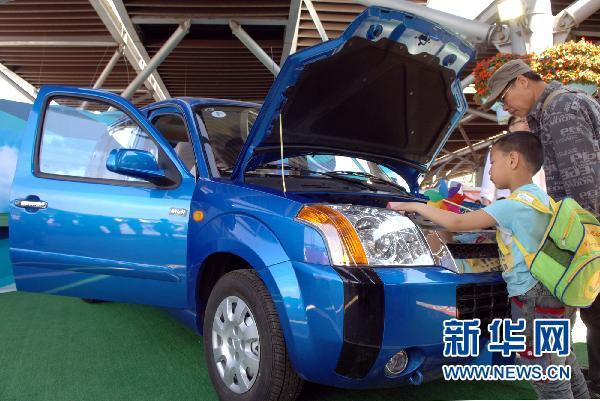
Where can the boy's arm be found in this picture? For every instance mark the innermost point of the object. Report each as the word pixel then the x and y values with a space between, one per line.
pixel 450 220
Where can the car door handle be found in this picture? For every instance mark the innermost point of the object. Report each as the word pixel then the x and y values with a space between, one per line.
pixel 31 204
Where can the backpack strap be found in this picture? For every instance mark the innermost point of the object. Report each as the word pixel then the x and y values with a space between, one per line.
pixel 528 256
pixel 532 201
pixel 552 95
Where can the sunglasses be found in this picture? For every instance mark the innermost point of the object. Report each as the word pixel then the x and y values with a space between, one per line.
pixel 506 90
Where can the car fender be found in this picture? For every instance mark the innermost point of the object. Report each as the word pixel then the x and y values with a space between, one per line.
pixel 244 235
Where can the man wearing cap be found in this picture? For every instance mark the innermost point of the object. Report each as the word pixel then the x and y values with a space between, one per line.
pixel 568 125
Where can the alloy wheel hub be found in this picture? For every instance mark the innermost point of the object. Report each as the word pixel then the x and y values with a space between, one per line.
pixel 236 344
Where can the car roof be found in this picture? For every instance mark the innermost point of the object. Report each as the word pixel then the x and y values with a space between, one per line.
pixel 201 101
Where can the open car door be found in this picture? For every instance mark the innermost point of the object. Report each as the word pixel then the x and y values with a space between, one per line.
pixel 100 204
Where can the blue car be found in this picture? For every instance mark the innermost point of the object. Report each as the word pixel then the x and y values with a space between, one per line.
pixel 264 227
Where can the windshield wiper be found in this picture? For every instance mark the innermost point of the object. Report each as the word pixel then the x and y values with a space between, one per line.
pixel 334 174
pixel 372 177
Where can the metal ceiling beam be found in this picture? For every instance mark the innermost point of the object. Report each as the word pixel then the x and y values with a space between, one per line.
pixel 21 85
pixel 108 68
pixel 467 118
pixel 466 150
pixel 454 169
pixel 209 21
pixel 481 114
pixel 430 176
pixel 290 42
pixel 489 15
pixel 260 54
pixel 572 16
pixel 142 98
pixel 316 20
pixel 106 72
pixel 447 152
pixel 158 58
pixel 117 21
pixel 56 42
pixel 468 80
pixel 462 131
pixel 590 34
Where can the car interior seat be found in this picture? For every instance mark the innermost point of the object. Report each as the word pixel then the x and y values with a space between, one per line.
pixel 185 151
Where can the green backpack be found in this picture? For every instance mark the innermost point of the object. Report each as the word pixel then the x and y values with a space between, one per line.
pixel 567 261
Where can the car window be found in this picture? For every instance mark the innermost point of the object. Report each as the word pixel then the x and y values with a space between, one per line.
pixel 76 142
pixel 227 128
pixel 174 130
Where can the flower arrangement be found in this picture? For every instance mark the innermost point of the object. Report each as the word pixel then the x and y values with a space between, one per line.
pixel 486 68
pixel 569 62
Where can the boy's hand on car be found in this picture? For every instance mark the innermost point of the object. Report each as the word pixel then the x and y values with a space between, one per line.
pixel 406 207
pixel 450 220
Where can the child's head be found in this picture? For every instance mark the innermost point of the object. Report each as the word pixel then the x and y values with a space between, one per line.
pixel 517 155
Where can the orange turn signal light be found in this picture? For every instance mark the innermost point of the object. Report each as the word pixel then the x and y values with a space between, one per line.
pixel 343 242
pixel 198 215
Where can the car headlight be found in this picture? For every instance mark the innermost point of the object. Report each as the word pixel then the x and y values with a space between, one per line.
pixel 362 235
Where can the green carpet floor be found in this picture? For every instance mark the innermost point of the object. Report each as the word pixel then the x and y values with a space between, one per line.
pixel 58 348
pixel 6 277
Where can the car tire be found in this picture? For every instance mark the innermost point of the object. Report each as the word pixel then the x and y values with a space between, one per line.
pixel 275 378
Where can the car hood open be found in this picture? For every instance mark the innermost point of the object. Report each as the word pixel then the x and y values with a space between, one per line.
pixel 386 90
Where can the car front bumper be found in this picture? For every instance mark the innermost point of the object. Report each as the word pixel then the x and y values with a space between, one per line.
pixel 342 325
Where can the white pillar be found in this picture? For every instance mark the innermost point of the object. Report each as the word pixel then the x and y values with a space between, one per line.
pixel 517 38
pixel 540 24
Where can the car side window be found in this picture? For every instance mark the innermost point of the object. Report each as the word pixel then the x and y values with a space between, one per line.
pixel 76 141
pixel 174 130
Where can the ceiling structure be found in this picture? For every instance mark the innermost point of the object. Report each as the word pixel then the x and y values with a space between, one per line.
pixel 70 42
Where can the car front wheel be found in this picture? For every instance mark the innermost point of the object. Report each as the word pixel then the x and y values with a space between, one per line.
pixel 243 342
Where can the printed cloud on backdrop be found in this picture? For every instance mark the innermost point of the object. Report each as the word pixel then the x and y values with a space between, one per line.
pixel 13 121
pixel 8 163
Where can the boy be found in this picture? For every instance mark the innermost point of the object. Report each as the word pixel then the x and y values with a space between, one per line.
pixel 515 158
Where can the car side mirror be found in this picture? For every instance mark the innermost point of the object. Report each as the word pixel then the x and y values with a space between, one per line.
pixel 136 163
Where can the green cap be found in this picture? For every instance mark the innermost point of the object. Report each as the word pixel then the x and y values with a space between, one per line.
pixel 501 78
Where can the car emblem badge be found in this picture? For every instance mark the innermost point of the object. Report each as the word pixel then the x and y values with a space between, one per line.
pixel 175 211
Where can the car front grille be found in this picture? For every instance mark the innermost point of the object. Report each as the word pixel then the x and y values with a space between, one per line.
pixel 482 301
pixel 473 251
